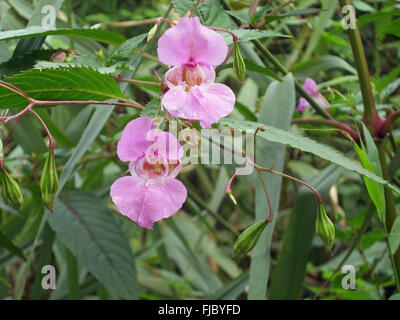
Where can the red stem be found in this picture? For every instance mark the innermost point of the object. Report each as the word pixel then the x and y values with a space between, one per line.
pixel 10 133
pixel 388 123
pixel 5 120
pixel 14 89
pixel 52 142
pixel 271 213
pixel 234 36
pixel 228 186
pixel 319 196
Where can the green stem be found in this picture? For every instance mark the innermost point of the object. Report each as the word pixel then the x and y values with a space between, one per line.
pixel 370 113
pixel 390 215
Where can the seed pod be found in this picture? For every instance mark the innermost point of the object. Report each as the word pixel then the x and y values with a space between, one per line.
pixel 324 227
pixel 238 63
pixel 248 239
pixel 10 190
pixel 49 181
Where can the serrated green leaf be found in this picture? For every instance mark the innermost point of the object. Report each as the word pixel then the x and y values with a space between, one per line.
pixel 23 62
pixel 307 145
pixel 151 108
pixel 36 31
pixel 73 83
pixel 213 14
pixel 242 16
pixel 182 6
pixel 123 52
pixel 84 224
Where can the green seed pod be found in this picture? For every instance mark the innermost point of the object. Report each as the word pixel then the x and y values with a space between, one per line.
pixel 49 181
pixel 248 239
pixel 238 63
pixel 324 227
pixel 10 190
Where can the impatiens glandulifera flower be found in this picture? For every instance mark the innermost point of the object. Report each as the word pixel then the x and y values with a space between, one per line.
pixel 193 50
pixel 151 193
pixel 310 86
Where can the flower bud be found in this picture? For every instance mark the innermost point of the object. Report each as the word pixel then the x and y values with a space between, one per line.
pixel 100 55
pixel 10 190
pixel 238 63
pixel 152 32
pixel 248 239
pixel 49 181
pixel 324 227
pixel 59 56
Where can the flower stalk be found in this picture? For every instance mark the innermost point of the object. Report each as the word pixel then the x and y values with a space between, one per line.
pixel 370 117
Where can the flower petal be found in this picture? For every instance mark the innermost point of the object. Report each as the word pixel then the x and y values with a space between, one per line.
pixel 303 103
pixel 310 86
pixel 205 103
pixel 133 143
pixel 168 146
pixel 190 41
pixel 146 203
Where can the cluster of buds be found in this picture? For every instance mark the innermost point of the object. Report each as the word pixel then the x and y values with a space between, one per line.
pixel 11 191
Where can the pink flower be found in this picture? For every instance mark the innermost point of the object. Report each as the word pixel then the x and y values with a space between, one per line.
pixel 310 86
pixel 151 193
pixel 193 50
